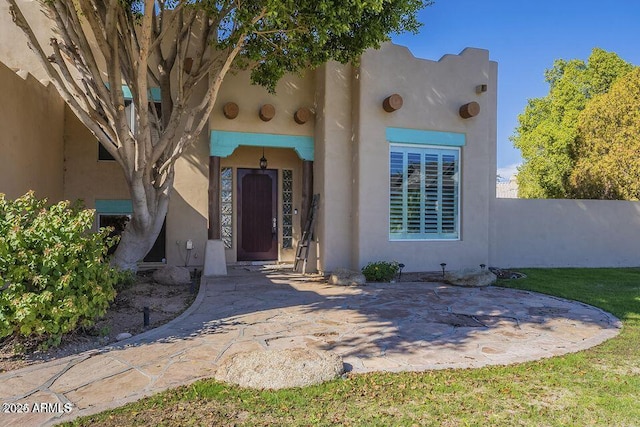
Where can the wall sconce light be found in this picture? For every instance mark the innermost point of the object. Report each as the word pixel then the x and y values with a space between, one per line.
pixel 267 112
pixel 392 103
pixel 263 161
pixel 481 88
pixel 230 110
pixel 469 110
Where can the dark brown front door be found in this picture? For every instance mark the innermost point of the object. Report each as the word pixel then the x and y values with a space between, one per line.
pixel 257 215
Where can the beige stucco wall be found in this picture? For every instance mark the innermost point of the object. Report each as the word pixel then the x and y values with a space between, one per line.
pixel 31 140
pixel 333 168
pixel 433 92
pixel 187 216
pixel 86 177
pixel 14 51
pixel 565 233
pixel 292 92
pixel 59 136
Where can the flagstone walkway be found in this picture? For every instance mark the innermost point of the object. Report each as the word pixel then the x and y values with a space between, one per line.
pixel 379 327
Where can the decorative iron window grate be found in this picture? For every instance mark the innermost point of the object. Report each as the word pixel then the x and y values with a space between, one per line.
pixel 226 206
pixel 287 209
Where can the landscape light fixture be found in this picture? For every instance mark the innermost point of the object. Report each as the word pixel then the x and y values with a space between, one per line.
pixel 263 161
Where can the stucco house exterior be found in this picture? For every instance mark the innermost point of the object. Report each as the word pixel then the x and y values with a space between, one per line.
pixel 401 150
pixel 389 182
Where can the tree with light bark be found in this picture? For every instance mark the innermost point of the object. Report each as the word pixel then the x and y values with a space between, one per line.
pixel 186 49
pixel 548 127
pixel 608 144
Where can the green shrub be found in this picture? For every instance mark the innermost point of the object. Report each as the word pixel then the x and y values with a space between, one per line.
pixel 126 280
pixel 381 271
pixel 53 272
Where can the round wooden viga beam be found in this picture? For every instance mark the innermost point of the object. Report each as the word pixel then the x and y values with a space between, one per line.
pixel 267 112
pixel 230 110
pixel 302 116
pixel 469 110
pixel 392 103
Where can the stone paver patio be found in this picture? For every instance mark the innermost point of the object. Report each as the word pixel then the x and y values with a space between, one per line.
pixel 379 327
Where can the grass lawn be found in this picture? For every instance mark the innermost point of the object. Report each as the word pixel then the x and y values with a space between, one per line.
pixel 600 386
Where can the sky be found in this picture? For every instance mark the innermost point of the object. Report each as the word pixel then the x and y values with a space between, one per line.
pixel 525 37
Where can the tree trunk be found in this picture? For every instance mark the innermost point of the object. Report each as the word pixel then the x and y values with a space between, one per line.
pixel 136 240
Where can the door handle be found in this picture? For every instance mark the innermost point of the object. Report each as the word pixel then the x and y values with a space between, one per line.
pixel 274 225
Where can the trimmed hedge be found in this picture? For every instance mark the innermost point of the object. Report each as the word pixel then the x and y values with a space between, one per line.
pixel 54 275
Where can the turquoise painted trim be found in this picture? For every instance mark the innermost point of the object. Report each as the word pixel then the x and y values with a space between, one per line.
pixel 114 206
pixel 155 93
pixel 126 92
pixel 425 137
pixel 223 143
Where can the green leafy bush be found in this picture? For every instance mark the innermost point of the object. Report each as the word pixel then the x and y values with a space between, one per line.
pixel 53 273
pixel 381 271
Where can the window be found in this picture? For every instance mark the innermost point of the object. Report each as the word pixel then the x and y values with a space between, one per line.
pixel 423 193
pixel 116 214
pixel 226 206
pixel 287 208
pixel 103 154
pixel 117 221
pixel 129 109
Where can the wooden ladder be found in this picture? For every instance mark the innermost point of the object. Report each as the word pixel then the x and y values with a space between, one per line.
pixel 302 251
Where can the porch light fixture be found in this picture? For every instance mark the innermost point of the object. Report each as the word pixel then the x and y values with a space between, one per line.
pixel 263 161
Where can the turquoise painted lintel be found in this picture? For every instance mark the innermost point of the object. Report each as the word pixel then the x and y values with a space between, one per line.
pixel 155 93
pixel 113 206
pixel 126 92
pixel 223 143
pixel 425 137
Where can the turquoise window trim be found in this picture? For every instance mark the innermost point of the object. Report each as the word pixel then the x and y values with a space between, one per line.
pixel 126 92
pixel 114 206
pixel 224 143
pixel 155 93
pixel 425 137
